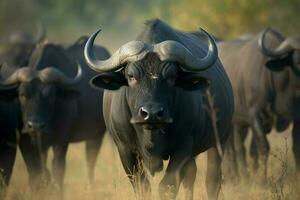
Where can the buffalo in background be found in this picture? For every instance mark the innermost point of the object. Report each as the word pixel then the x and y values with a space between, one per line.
pixel 265 74
pixel 57 109
pixel 19 45
pixel 16 52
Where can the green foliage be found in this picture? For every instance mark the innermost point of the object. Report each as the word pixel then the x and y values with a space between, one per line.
pixel 230 18
pixel 224 18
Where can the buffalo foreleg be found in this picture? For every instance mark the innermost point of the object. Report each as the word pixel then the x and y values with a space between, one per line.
pixel 239 135
pixel 7 159
pixel 31 157
pixel 92 148
pixel 213 173
pixel 190 171
pixel 260 138
pixel 230 168
pixel 59 165
pixel 133 167
pixel 254 154
pixel 179 163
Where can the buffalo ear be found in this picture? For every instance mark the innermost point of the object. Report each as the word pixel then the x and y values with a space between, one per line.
pixel 190 82
pixel 67 93
pixel 278 64
pixel 108 81
pixel 8 93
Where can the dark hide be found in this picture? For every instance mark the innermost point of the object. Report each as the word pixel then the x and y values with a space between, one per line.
pixel 265 92
pixel 178 126
pixel 55 115
pixel 16 55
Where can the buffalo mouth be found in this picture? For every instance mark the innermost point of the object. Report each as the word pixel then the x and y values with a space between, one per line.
pixel 152 125
pixel 34 132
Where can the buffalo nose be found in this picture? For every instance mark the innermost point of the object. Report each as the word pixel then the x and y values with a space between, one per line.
pixel 151 112
pixel 35 125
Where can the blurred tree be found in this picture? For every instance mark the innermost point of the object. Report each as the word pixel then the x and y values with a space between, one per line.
pixel 233 17
pixel 67 19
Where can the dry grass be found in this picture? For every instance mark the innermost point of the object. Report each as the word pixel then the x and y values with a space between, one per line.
pixel 112 183
pixel 2 185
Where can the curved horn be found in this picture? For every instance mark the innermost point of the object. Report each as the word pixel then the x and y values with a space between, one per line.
pixel 51 74
pixel 175 51
pixel 41 33
pixel 129 52
pixel 288 45
pixel 137 50
pixel 20 75
pixel 283 48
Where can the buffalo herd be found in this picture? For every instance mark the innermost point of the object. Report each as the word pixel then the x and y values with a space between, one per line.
pixel 167 95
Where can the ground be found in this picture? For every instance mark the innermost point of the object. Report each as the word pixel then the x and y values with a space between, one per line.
pixel 112 183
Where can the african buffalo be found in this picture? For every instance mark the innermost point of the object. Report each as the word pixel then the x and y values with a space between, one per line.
pixel 155 106
pixel 19 47
pixel 264 71
pixel 9 123
pixel 16 52
pixel 57 109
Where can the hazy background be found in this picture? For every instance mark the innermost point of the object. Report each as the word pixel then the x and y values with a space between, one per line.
pixel 121 20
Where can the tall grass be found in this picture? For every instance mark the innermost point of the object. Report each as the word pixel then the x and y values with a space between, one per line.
pixel 2 185
pixel 112 182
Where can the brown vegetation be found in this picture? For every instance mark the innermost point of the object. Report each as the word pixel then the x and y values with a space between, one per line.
pixel 112 183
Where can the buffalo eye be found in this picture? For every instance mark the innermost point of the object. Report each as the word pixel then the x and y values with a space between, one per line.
pixel 106 80
pixel 170 76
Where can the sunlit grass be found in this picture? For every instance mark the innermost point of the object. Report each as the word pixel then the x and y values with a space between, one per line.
pixel 112 183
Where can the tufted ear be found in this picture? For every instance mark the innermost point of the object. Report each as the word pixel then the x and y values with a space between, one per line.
pixel 109 81
pixel 192 81
pixel 8 93
pixel 278 64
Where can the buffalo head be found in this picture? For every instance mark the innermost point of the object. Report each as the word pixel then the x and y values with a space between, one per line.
pixel 285 60
pixel 38 92
pixel 21 45
pixel 151 75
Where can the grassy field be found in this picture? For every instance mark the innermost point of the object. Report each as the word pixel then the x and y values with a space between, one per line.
pixel 112 183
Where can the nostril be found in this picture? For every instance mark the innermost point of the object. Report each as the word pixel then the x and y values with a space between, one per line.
pixel 42 126
pixel 29 124
pixel 35 126
pixel 160 113
pixel 144 113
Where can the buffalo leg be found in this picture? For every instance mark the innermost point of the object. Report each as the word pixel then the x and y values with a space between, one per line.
pixel 260 138
pixel 31 158
pixel 214 173
pixel 92 148
pixel 230 168
pixel 189 171
pixel 254 154
pixel 7 159
pixel 170 183
pixel 239 135
pixel 296 144
pixel 59 165
pixel 133 167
